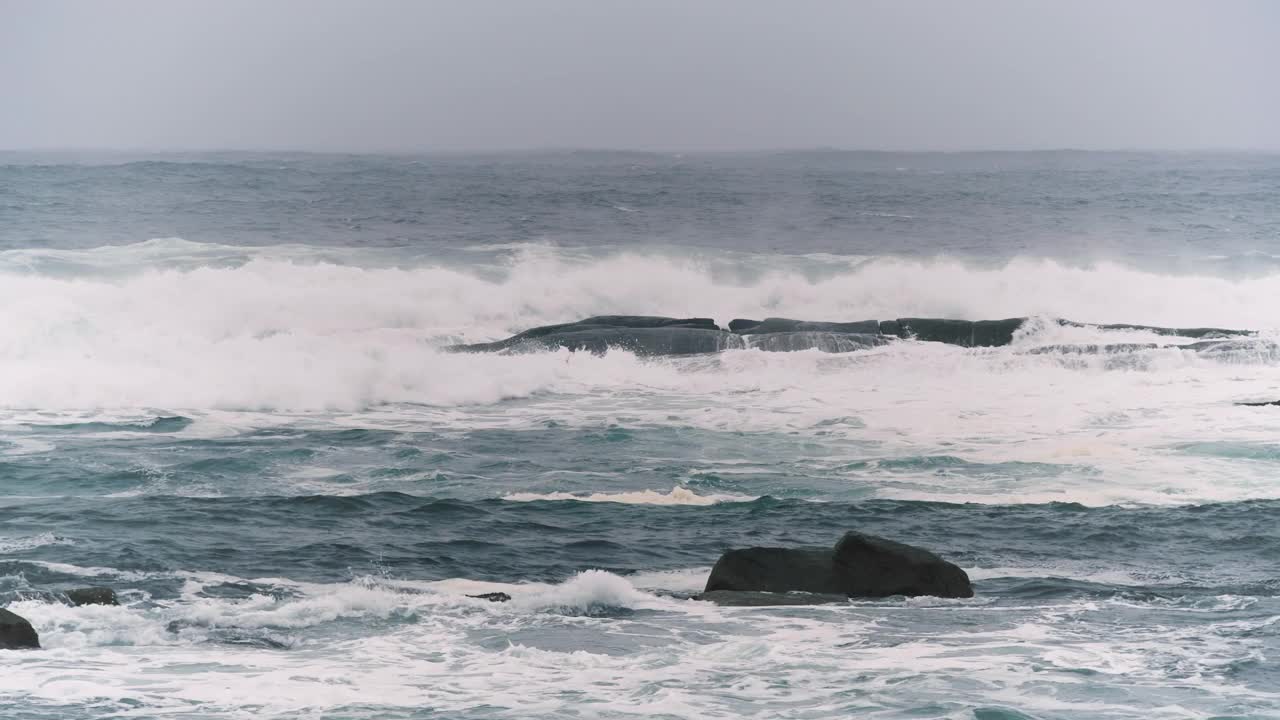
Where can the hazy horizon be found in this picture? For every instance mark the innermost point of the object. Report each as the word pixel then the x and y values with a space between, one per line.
pixel 400 77
pixel 429 152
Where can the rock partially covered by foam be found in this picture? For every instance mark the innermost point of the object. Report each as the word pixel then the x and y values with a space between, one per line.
pixel 860 565
pixel 965 333
pixel 787 325
pixel 16 633
pixel 832 342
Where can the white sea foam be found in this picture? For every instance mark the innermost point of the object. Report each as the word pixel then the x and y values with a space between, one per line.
pixel 90 571
pixel 1082 573
pixel 265 340
pixel 30 542
pixel 677 496
pixel 375 647
pixel 686 580
pixel 278 333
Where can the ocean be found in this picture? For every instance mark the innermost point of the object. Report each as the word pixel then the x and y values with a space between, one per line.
pixel 223 394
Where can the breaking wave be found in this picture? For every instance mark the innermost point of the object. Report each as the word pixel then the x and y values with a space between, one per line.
pixel 178 325
pixel 677 496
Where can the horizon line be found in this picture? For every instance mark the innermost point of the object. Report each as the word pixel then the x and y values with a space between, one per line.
pixel 624 150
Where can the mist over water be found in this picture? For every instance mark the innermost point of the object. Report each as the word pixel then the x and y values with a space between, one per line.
pixel 223 392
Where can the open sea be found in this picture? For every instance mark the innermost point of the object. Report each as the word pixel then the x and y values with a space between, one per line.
pixel 222 394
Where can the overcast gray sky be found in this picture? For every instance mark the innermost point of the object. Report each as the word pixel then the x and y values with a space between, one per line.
pixel 662 74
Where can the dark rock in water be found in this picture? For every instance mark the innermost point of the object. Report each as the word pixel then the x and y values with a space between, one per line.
pixel 492 597
pixel 965 333
pixel 639 334
pixel 873 567
pixel 825 341
pixel 649 335
pixel 785 325
pixel 16 633
pixel 743 598
pixel 859 566
pixel 775 570
pixel 1260 403
pixel 644 341
pixel 92 596
pixel 622 321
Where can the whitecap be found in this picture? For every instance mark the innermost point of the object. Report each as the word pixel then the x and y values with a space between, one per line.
pixel 677 496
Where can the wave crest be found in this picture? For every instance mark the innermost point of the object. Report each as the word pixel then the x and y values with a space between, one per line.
pixel 297 331
pixel 677 496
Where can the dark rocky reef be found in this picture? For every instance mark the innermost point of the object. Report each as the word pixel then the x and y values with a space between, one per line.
pixel 965 333
pixel 16 633
pixel 785 325
pixel 646 335
pixel 640 334
pixel 861 566
pixel 492 597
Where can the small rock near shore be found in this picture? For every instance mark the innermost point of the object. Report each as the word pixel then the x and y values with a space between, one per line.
pixel 92 596
pixel 16 633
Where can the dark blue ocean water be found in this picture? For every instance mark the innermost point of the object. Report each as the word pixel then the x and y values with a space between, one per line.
pixel 1076 205
pixel 222 394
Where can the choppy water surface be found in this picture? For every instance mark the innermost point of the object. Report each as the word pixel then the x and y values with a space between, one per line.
pixel 222 394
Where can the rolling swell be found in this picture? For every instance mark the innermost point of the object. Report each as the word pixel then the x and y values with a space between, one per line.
pixel 1174 552
pixel 168 424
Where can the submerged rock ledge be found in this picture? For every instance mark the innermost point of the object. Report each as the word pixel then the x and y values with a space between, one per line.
pixel 649 335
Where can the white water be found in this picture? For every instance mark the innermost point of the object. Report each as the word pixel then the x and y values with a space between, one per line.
pixel 598 639
pixel 240 340
pixel 677 496
pixel 281 332
pixel 224 332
